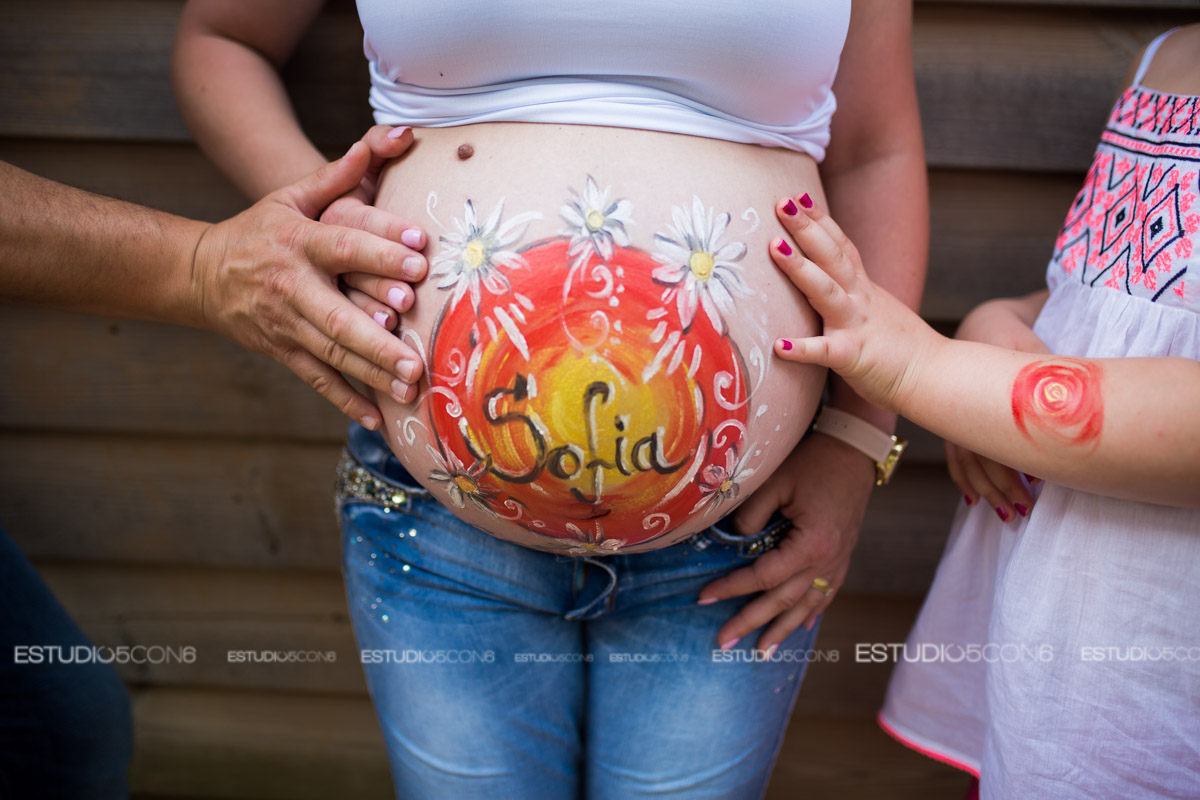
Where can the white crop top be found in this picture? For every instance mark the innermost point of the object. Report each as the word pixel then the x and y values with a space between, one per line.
pixel 757 72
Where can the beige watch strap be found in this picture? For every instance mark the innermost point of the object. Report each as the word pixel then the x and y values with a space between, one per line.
pixel 862 436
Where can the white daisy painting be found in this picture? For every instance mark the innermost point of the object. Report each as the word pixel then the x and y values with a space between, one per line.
pixel 464 484
pixel 718 484
pixel 472 257
pixel 595 224
pixel 700 270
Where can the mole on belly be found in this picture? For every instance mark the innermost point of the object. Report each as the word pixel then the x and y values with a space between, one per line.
pixel 465 151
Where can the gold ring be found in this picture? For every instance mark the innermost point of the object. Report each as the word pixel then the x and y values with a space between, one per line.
pixel 822 585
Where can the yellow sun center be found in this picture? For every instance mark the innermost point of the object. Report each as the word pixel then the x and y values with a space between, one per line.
pixel 466 483
pixel 701 264
pixel 474 254
pixel 595 220
pixel 726 485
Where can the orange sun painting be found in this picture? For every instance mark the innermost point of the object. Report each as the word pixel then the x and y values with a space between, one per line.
pixel 575 390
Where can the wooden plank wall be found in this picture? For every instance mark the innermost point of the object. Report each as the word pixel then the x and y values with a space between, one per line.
pixel 167 483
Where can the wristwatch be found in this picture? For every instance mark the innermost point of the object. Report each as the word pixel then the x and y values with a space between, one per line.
pixel 882 448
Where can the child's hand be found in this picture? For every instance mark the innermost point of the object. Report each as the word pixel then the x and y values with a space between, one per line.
pixel 980 477
pixel 875 342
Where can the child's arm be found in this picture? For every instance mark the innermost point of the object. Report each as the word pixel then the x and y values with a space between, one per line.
pixel 1005 322
pixel 1120 427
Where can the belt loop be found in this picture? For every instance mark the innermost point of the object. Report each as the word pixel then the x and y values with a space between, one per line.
pixel 608 596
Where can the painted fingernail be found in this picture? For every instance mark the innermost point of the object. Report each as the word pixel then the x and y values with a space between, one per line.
pixel 707 601
pixel 407 370
pixel 806 201
pixel 396 297
pixel 396 133
pixel 730 644
pixel 790 209
pixel 411 237
pixel 770 651
pixel 784 344
pixel 369 422
pixel 784 247
pixel 413 267
pixel 808 626
pixel 381 317
pixel 1021 509
pixel 1002 514
pixel 968 499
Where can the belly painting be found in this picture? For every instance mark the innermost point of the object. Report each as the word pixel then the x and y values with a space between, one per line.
pixel 586 395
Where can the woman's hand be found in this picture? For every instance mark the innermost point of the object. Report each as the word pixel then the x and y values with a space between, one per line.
pixel 267 279
pixel 381 296
pixel 822 488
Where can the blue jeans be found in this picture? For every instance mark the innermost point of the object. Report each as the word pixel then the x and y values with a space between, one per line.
pixel 499 671
pixel 65 728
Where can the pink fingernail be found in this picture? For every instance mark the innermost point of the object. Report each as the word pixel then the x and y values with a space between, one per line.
pixel 1002 514
pixel 806 201
pixel 411 237
pixel 790 209
pixel 381 317
pixel 396 297
pixel 784 247
pixel 968 499
pixel 784 344
pixel 396 133
pixel 707 601
pixel 407 370
pixel 770 652
pixel 730 644
pixel 1022 510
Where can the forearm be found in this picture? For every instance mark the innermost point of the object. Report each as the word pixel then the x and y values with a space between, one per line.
pixel 227 83
pixel 1006 322
pixel 1083 423
pixel 882 205
pixel 874 170
pixel 76 251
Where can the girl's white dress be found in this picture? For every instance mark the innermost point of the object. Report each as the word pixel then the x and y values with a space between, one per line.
pixel 1059 656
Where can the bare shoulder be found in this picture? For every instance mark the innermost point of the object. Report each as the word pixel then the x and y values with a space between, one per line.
pixel 1176 66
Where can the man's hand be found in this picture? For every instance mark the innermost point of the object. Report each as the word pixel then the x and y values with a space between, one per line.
pixel 268 280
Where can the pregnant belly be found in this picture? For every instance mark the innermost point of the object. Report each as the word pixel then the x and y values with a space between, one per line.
pixel 597 329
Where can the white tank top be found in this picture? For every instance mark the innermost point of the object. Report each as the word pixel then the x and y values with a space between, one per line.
pixel 756 72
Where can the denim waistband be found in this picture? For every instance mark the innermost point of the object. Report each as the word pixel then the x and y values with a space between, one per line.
pixel 370 471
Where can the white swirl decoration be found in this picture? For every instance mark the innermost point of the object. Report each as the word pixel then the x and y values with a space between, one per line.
pixel 453 407
pixel 657 520
pixel 410 436
pixel 748 215
pixel 512 505
pixel 719 439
